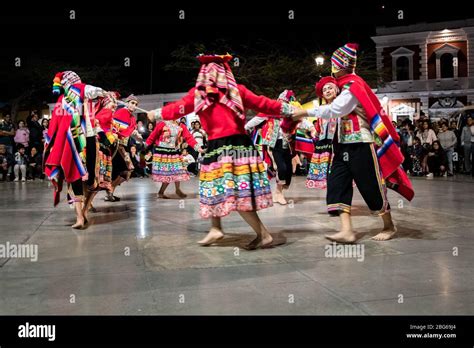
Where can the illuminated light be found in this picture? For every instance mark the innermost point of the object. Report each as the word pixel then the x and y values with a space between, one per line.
pixel 319 60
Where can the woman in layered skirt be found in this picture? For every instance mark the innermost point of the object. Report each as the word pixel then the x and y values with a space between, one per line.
pixel 168 164
pixel 324 133
pixel 232 176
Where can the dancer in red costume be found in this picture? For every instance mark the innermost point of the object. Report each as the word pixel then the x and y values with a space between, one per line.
pixel 125 126
pixel 70 142
pixel 277 147
pixel 366 149
pixel 232 176
pixel 168 165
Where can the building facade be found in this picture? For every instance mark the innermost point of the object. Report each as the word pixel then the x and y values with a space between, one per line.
pixel 428 67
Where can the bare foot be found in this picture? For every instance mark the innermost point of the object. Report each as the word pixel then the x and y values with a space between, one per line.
pixel 386 234
pixel 181 194
pixel 279 198
pixel 80 225
pixel 213 236
pixel 163 196
pixel 342 237
pixel 262 243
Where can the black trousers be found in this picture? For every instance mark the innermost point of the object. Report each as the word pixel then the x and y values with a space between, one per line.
pixel 282 158
pixel 356 162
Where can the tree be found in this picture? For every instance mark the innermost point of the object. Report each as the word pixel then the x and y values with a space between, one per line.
pixel 269 68
pixel 31 83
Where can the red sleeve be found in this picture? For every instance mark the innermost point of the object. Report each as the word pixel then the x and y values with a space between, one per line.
pixel 188 136
pixel 155 135
pixel 259 103
pixel 179 108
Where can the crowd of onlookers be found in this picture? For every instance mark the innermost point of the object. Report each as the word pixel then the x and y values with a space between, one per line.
pixel 438 148
pixel 21 148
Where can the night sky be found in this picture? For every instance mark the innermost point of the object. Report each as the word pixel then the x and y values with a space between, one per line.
pixel 104 35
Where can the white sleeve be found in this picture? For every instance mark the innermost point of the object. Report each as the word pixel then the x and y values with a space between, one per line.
pixel 305 125
pixel 343 105
pixel 92 92
pixel 254 122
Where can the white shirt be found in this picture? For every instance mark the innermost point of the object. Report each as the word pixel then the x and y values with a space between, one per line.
pixel 343 105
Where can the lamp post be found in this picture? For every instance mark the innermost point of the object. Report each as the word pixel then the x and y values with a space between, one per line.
pixel 319 60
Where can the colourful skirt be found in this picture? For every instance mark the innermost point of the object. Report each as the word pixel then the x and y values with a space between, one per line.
pixel 105 170
pixel 168 166
pixel 320 165
pixel 233 177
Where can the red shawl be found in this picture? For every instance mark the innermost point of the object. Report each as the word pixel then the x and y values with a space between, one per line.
pixel 388 152
pixel 61 159
pixel 124 122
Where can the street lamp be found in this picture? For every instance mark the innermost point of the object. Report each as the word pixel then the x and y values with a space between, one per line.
pixel 319 60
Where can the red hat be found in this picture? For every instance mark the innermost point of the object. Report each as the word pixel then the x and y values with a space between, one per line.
pixel 321 83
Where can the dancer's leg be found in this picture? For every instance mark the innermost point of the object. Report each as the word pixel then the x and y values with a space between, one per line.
pixel 80 220
pixel 180 193
pixel 389 228
pixel 161 193
pixel 90 195
pixel 264 238
pixel 214 234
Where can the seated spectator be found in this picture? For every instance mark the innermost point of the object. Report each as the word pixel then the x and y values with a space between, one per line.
pixel 138 171
pixel 35 162
pixel 21 161
pixel 6 162
pixel 148 162
pixel 437 163
pixel 190 162
pixel 22 135
pixel 416 153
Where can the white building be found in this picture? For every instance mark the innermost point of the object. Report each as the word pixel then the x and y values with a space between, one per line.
pixel 430 68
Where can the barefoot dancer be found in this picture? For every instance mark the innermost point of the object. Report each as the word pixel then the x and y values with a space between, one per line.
pixel 105 138
pixel 124 125
pixel 69 134
pixel 168 165
pixel 232 176
pixel 365 149
pixel 276 147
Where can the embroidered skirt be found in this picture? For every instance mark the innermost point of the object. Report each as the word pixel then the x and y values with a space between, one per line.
pixel 168 165
pixel 320 165
pixel 232 178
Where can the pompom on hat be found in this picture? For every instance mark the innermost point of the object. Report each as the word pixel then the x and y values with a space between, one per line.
pixel 64 79
pixel 344 58
pixel 287 96
pixel 321 83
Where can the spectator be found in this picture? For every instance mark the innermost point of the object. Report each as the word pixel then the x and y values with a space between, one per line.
pixel 138 171
pixel 407 136
pixel 183 121
pixel 427 136
pixel 200 136
pixel 149 128
pixel 416 153
pixel 448 142
pixel 148 161
pixel 21 160
pixel 36 131
pixel 7 132
pixel 35 162
pixel 22 135
pixel 6 162
pixel 190 162
pixel 436 160
pixel 467 142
